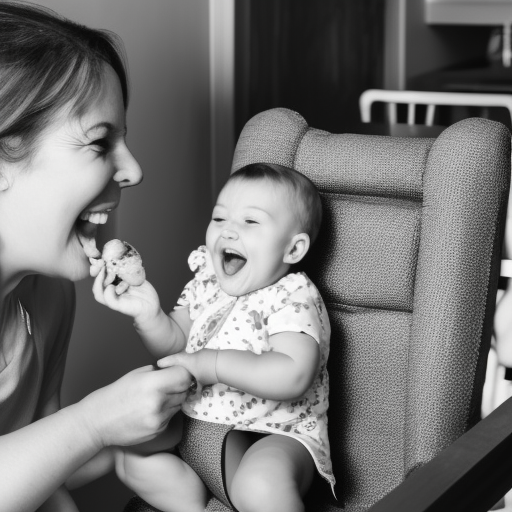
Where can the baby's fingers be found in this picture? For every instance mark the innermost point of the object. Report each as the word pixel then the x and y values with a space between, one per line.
pixel 111 276
pixel 122 287
pixel 97 287
pixel 111 298
pixel 96 266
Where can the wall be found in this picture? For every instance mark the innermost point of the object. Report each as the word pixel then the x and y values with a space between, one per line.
pixel 413 47
pixel 166 216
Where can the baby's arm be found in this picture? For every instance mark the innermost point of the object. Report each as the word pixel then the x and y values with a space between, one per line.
pixel 284 373
pixel 165 334
pixel 162 334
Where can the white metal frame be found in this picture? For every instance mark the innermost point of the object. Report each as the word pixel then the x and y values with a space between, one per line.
pixel 429 98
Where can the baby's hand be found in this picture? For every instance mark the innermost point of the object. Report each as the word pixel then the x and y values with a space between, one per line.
pixel 96 266
pixel 140 302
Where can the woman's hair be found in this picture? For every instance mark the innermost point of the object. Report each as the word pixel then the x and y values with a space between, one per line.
pixel 303 194
pixel 46 63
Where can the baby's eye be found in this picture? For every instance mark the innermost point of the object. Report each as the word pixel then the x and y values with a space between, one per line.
pixel 251 221
pixel 217 219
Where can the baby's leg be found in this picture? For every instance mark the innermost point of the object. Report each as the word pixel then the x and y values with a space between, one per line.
pixel 163 480
pixel 159 477
pixel 273 475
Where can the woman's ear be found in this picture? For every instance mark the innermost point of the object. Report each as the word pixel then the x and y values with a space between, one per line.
pixel 297 248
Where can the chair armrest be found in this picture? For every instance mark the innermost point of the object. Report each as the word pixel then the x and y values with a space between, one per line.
pixel 506 268
pixel 473 473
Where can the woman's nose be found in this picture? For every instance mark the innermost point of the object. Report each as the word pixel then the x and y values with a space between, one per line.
pixel 230 234
pixel 128 173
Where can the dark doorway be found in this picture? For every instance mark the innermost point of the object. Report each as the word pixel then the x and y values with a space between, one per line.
pixel 312 56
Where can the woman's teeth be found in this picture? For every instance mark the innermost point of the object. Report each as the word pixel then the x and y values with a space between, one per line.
pixel 95 217
pixel 86 231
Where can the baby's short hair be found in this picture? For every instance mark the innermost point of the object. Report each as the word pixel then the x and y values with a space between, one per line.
pixel 305 196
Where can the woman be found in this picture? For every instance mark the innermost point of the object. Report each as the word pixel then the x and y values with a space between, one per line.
pixel 63 163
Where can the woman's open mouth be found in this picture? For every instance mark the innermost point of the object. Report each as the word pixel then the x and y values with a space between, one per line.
pixel 87 228
pixel 232 261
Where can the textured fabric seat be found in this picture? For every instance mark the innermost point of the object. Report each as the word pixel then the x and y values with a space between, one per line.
pixel 407 261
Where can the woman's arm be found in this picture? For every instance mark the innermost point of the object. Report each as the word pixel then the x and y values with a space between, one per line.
pixel 105 460
pixel 37 459
pixel 284 373
pixel 60 500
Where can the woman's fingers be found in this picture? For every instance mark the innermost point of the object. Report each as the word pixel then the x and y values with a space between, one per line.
pixel 169 361
pixel 201 364
pixel 174 380
pixel 138 406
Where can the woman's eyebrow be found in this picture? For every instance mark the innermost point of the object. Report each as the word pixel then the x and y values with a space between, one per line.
pixel 108 126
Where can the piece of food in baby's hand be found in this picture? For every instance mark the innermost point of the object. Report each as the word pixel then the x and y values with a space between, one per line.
pixel 123 262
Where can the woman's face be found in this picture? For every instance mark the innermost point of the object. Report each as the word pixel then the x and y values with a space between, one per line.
pixel 55 200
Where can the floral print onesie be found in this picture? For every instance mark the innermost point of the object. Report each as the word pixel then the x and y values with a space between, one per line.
pixel 221 321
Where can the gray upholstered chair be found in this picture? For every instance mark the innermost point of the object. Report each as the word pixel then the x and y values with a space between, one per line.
pixel 408 262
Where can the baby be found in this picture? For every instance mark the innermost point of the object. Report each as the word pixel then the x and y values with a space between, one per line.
pixel 256 338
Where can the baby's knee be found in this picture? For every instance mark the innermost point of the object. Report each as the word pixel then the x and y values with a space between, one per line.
pixel 254 493
pixel 138 471
pixel 130 467
pixel 120 465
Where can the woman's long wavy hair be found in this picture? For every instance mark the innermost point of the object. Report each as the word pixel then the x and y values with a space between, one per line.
pixel 46 63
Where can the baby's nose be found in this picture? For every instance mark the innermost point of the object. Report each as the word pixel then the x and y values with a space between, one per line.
pixel 230 234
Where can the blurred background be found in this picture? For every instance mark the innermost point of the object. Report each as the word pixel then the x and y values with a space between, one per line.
pixel 199 69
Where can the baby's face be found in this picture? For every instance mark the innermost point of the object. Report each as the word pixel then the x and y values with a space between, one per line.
pixel 249 235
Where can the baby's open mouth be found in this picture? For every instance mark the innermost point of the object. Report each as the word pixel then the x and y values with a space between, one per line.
pixel 232 261
pixel 86 229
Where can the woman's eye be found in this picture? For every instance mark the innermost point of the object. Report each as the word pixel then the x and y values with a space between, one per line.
pixel 217 219
pixel 100 146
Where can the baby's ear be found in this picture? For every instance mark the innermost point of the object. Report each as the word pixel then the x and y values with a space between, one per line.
pixel 297 248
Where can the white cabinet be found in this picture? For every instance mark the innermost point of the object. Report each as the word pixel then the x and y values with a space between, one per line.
pixel 468 12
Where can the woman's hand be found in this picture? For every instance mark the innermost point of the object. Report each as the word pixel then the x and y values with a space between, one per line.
pixel 201 364
pixel 137 407
pixel 139 302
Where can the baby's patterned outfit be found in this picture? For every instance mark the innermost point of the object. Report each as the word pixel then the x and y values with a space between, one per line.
pixel 221 321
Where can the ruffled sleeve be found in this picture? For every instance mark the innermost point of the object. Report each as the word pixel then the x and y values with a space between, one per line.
pixel 202 287
pixel 301 309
